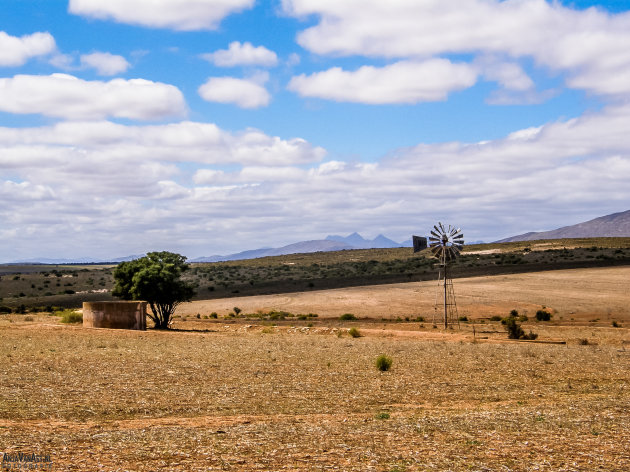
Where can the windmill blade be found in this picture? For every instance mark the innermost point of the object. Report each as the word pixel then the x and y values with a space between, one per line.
pixel 437 231
pixel 449 256
pixel 442 228
pixel 431 238
pixel 453 231
pixel 433 233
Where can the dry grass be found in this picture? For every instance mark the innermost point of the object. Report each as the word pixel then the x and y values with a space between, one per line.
pixel 237 398
pixel 576 296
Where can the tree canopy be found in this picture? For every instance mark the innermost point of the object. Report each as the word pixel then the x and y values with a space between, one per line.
pixel 156 279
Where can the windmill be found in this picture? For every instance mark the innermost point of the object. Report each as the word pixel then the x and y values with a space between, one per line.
pixel 446 244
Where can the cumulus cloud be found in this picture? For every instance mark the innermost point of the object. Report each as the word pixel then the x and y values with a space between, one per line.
pixel 105 63
pixel 242 54
pixel 16 51
pixel 66 96
pixel 402 82
pixel 589 46
pixel 105 180
pixel 183 15
pixel 245 93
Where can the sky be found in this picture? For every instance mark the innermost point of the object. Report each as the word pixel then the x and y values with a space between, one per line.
pixel 210 127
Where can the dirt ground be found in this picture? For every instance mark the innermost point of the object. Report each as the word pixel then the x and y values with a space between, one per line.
pixel 581 294
pixel 303 395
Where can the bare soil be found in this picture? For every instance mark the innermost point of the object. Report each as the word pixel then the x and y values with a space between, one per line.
pixel 581 294
pixel 243 395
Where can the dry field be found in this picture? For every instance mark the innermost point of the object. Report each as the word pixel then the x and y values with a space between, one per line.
pixel 243 395
pixel 581 294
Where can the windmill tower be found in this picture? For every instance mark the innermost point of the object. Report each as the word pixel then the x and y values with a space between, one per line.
pixel 446 244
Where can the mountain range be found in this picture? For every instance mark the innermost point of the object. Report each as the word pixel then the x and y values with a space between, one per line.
pixel 331 243
pixel 609 226
pixel 613 225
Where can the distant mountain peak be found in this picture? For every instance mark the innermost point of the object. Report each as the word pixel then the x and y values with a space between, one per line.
pixel 609 226
pixel 331 243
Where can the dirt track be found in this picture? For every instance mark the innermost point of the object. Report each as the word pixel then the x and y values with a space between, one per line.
pixel 582 294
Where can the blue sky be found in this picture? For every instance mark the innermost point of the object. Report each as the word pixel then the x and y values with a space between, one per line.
pixel 213 126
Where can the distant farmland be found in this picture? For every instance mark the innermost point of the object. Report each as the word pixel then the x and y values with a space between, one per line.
pixel 69 285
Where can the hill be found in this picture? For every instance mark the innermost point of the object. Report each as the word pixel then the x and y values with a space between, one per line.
pixel 330 244
pixel 615 225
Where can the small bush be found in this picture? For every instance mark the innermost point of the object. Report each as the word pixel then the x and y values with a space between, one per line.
pixel 496 318
pixel 615 324
pixel 515 331
pixel 514 313
pixel 382 416
pixel 5 309
pixel 463 318
pixel 347 317
pixel 384 363
pixel 70 316
pixel 420 319
pixel 29 318
pixel 543 315
pixel 237 310
pixel 354 332
pixel 214 315
pixel 583 342
pixel 523 318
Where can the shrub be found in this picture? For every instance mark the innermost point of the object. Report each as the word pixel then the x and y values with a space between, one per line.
pixel 382 416
pixel 515 331
pixel 29 318
pixel 354 332
pixel 384 363
pixel 615 324
pixel 463 318
pixel 583 342
pixel 496 318
pixel 237 310
pixel 5 309
pixel 70 316
pixel 347 317
pixel 543 315
pixel 214 315
pixel 514 313
pixel 523 318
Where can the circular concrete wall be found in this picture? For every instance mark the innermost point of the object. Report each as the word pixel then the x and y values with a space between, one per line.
pixel 117 315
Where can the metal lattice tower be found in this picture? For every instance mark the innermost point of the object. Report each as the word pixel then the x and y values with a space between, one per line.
pixel 446 244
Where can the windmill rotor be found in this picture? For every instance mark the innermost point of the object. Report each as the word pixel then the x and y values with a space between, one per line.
pixel 446 243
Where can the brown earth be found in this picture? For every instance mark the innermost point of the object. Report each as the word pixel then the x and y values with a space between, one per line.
pixel 581 294
pixel 243 395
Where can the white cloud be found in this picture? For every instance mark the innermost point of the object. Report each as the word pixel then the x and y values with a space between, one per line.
pixel 184 15
pixel 66 96
pixel 16 51
pixel 197 189
pixel 245 93
pixel 589 46
pixel 402 82
pixel 242 54
pixel 509 75
pixel 105 63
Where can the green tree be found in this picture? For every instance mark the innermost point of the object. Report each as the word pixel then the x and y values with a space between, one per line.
pixel 155 278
